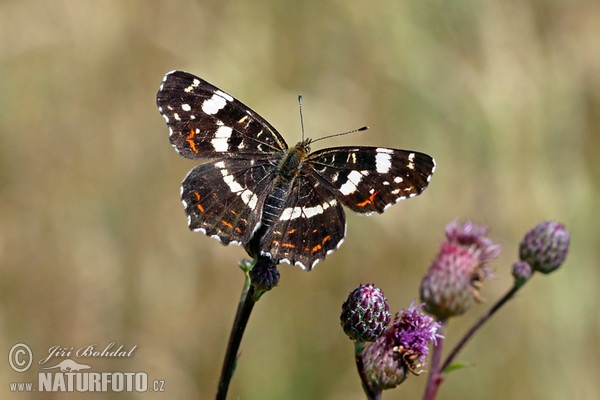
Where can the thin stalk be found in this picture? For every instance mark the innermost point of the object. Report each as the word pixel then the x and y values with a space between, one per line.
pixel 372 394
pixel 235 337
pixel 435 377
pixel 477 325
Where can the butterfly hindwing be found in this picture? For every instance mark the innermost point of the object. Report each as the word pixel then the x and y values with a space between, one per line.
pixel 205 122
pixel 370 179
pixel 311 225
pixel 224 200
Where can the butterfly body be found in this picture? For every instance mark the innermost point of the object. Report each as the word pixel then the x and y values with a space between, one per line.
pixel 282 203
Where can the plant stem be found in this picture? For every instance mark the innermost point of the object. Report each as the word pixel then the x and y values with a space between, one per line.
pixel 477 325
pixel 372 394
pixel 435 377
pixel 235 337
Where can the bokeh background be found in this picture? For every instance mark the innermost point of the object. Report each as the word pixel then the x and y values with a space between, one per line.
pixel 94 246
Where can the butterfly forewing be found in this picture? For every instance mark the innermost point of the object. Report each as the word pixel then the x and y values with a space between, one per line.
pixel 370 179
pixel 205 122
pixel 224 200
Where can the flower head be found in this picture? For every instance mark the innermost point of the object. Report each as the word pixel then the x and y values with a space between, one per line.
pixel 403 348
pixel 545 247
pixel 365 314
pixel 455 277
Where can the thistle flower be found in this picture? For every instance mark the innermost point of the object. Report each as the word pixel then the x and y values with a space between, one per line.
pixel 545 247
pixel 456 275
pixel 403 348
pixel 365 314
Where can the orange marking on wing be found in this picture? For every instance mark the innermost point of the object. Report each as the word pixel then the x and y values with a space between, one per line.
pixel 292 230
pixel 190 139
pixel 369 200
pixel 227 224
pixel 326 238
pixel 291 246
pixel 317 248
pixel 199 206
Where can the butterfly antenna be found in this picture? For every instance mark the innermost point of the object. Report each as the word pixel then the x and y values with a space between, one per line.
pixel 363 128
pixel 301 116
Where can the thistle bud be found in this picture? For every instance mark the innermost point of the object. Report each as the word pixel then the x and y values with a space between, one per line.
pixel 264 275
pixel 365 314
pixel 545 247
pixel 521 271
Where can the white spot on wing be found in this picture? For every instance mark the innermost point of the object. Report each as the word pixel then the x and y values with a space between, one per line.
pixel 308 212
pixel 349 187
pixel 186 107
pixel 249 198
pixel 383 161
pixel 194 84
pixel 411 159
pixel 290 213
pixel 233 185
pixel 224 95
pixel 222 135
pixel 214 104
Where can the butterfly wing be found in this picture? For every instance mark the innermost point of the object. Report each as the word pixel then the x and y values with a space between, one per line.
pixel 205 122
pixel 224 199
pixel 311 226
pixel 370 179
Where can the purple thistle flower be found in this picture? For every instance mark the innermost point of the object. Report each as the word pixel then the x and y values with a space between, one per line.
pixel 456 275
pixel 403 348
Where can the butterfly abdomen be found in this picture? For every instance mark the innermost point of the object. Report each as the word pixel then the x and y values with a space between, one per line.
pixel 274 204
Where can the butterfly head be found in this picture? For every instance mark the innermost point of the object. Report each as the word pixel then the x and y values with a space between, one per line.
pixel 303 147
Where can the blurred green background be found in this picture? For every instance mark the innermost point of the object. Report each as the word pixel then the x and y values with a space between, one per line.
pixel 94 245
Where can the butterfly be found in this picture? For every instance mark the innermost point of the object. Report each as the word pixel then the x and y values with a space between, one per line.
pixel 280 202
